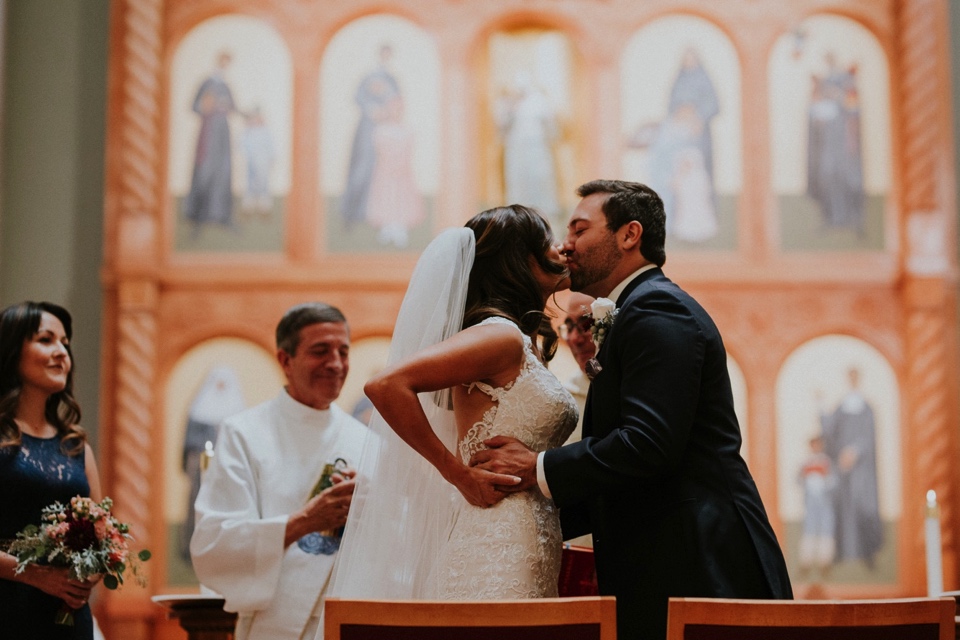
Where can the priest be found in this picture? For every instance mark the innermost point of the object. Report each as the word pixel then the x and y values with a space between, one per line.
pixel 269 509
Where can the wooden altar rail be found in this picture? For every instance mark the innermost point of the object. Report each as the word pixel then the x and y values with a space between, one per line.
pixel 203 618
pixel 877 619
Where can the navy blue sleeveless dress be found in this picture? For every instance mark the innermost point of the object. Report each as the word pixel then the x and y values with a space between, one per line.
pixel 33 476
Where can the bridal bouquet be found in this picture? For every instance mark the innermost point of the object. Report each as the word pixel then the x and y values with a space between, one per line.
pixel 84 537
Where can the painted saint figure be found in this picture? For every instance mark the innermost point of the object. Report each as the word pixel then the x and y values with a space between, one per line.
pixel 849 436
pixel 376 90
pixel 693 87
pixel 394 205
pixel 834 158
pixel 211 198
pixel 258 148
pixel 681 153
pixel 528 126
pixel 818 538
pixel 219 397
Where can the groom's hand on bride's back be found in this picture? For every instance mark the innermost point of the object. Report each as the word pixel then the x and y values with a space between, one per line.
pixel 506 455
pixel 482 488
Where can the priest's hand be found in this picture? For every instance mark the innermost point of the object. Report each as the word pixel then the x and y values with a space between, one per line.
pixel 325 511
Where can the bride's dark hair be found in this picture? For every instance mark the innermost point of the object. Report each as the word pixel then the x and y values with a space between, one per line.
pixel 501 280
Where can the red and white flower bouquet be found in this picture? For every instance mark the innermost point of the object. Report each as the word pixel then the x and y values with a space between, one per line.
pixel 84 537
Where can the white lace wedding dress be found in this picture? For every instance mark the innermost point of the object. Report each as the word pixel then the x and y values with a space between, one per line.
pixel 511 550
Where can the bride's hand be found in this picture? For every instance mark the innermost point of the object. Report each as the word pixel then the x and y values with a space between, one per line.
pixel 506 455
pixel 480 487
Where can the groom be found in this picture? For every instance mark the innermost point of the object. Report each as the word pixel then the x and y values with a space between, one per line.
pixel 658 478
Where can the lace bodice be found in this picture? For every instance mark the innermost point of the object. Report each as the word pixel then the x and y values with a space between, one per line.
pixel 511 550
pixel 535 408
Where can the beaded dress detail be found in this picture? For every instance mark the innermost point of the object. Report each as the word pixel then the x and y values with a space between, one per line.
pixel 511 550
pixel 33 476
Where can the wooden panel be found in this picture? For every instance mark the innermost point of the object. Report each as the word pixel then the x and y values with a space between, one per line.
pixel 587 617
pixel 696 618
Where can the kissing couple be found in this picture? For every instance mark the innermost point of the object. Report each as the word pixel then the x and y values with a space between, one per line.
pixel 467 494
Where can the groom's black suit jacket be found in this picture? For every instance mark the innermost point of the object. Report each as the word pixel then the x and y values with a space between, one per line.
pixel 658 478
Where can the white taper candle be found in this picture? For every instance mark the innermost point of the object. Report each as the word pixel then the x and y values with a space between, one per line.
pixel 934 550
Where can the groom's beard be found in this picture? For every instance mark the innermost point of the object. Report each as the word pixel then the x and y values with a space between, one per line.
pixel 595 264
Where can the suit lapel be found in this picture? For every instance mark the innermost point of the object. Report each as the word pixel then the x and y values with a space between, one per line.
pixel 636 282
pixel 621 301
pixel 603 352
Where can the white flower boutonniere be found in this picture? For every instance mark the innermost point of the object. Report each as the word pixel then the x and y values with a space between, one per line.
pixel 604 312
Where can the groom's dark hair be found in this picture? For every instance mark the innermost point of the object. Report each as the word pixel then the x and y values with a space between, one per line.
pixel 629 201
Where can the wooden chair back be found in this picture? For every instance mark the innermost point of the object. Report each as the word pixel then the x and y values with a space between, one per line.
pixel 882 619
pixel 586 618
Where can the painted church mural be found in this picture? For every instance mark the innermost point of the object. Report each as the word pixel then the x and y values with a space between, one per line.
pixel 531 113
pixel 839 467
pixel 379 136
pixel 680 84
pixel 830 135
pixel 230 137
pixel 209 383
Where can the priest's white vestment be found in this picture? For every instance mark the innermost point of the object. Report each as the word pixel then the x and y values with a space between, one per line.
pixel 266 461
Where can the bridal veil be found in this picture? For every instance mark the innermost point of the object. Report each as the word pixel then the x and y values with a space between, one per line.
pixel 403 509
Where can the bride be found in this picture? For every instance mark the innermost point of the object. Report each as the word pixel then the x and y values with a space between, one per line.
pixel 467 361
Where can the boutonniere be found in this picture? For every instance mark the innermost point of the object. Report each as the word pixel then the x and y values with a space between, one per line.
pixel 603 311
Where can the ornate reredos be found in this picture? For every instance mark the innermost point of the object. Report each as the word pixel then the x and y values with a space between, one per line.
pixel 768 296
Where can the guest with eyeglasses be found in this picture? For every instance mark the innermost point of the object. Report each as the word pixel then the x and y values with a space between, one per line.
pixel 575 331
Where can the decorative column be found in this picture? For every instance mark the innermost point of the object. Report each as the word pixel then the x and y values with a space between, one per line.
pixel 137 211
pixel 134 198
pixel 135 407
pixel 930 273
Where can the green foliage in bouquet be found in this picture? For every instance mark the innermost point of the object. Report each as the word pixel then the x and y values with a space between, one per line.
pixel 83 536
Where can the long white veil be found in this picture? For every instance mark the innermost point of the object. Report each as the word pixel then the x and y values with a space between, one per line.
pixel 403 509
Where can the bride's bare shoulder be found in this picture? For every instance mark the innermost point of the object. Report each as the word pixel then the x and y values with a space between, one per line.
pixel 496 333
pixel 500 346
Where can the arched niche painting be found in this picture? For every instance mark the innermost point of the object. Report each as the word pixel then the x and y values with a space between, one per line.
pixel 215 379
pixel 830 132
pixel 367 357
pixel 839 467
pixel 230 137
pixel 738 385
pixel 528 135
pixel 681 127
pixel 379 136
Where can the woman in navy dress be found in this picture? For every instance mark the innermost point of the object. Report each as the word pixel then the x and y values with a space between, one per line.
pixel 44 457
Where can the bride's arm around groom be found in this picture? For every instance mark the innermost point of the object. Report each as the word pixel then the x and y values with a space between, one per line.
pixel 658 478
